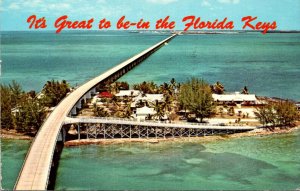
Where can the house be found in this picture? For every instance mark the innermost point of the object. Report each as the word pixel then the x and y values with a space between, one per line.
pixel 235 98
pixel 150 98
pixel 105 95
pixel 144 112
pixel 128 93
pixel 298 106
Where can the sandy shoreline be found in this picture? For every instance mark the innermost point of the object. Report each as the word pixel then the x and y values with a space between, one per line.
pixel 12 134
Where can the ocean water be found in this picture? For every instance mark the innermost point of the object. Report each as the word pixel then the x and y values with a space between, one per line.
pixel 33 58
pixel 252 163
pixel 13 153
pixel 255 163
pixel 267 64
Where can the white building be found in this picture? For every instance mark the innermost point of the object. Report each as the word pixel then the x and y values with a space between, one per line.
pixel 128 93
pixel 142 113
pixel 150 98
pixel 235 98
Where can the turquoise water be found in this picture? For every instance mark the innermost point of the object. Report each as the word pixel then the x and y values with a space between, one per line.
pixel 267 64
pixel 13 153
pixel 253 163
pixel 248 163
pixel 32 58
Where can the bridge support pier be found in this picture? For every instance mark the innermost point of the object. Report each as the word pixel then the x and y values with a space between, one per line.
pixel 73 111
pixel 78 104
pixel 78 131
pixel 93 91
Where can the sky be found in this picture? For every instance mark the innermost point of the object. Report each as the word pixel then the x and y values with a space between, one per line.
pixel 14 13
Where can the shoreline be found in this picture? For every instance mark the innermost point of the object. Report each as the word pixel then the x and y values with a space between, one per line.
pixel 12 134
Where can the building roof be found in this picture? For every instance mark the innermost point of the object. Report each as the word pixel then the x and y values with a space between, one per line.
pixel 128 93
pixel 234 97
pixel 145 111
pixel 105 94
pixel 150 97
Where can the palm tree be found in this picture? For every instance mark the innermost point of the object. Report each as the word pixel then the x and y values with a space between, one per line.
pixel 218 88
pixel 245 90
pixel 100 111
pixel 159 108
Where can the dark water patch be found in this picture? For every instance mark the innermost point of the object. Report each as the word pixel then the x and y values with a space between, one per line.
pixel 233 166
pixel 289 179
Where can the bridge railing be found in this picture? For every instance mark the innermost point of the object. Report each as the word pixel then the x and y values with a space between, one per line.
pixel 113 119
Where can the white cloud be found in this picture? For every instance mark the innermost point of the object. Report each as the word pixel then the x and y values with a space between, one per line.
pixel 229 1
pixel 59 6
pixel 14 6
pixel 205 3
pixel 161 1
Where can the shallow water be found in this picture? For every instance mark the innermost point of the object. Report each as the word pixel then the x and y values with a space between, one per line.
pixel 271 162
pixel 249 163
pixel 13 153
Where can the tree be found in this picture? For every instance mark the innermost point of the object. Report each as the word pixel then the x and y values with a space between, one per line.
pixel 146 87
pixel 196 96
pixel 266 114
pixel 126 112
pixel 16 92
pixel 30 115
pixel 245 90
pixel 282 113
pixel 217 88
pixel 159 109
pixel 6 107
pixel 100 111
pixel 54 92
pixel 286 112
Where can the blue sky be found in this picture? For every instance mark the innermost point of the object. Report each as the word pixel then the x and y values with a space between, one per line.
pixel 15 12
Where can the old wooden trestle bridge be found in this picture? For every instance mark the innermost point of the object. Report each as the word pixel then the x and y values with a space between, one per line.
pixel 109 128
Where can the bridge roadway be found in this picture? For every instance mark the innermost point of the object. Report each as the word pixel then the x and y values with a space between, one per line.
pixel 35 171
pixel 133 122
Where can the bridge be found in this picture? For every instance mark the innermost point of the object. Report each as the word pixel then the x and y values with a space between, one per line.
pixel 109 128
pixel 34 174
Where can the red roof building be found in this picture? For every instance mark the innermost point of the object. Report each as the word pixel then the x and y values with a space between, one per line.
pixel 105 95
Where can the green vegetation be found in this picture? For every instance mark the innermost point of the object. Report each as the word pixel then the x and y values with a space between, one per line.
pixel 146 87
pixel 25 112
pixel 196 96
pixel 278 114
pixel 53 92
pixel 217 88
pixel 19 110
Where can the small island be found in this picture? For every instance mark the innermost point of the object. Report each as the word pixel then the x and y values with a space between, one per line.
pixel 192 102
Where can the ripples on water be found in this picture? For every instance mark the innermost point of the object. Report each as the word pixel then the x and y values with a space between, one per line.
pixel 270 162
pixel 246 163
pixel 268 64
pixel 13 153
